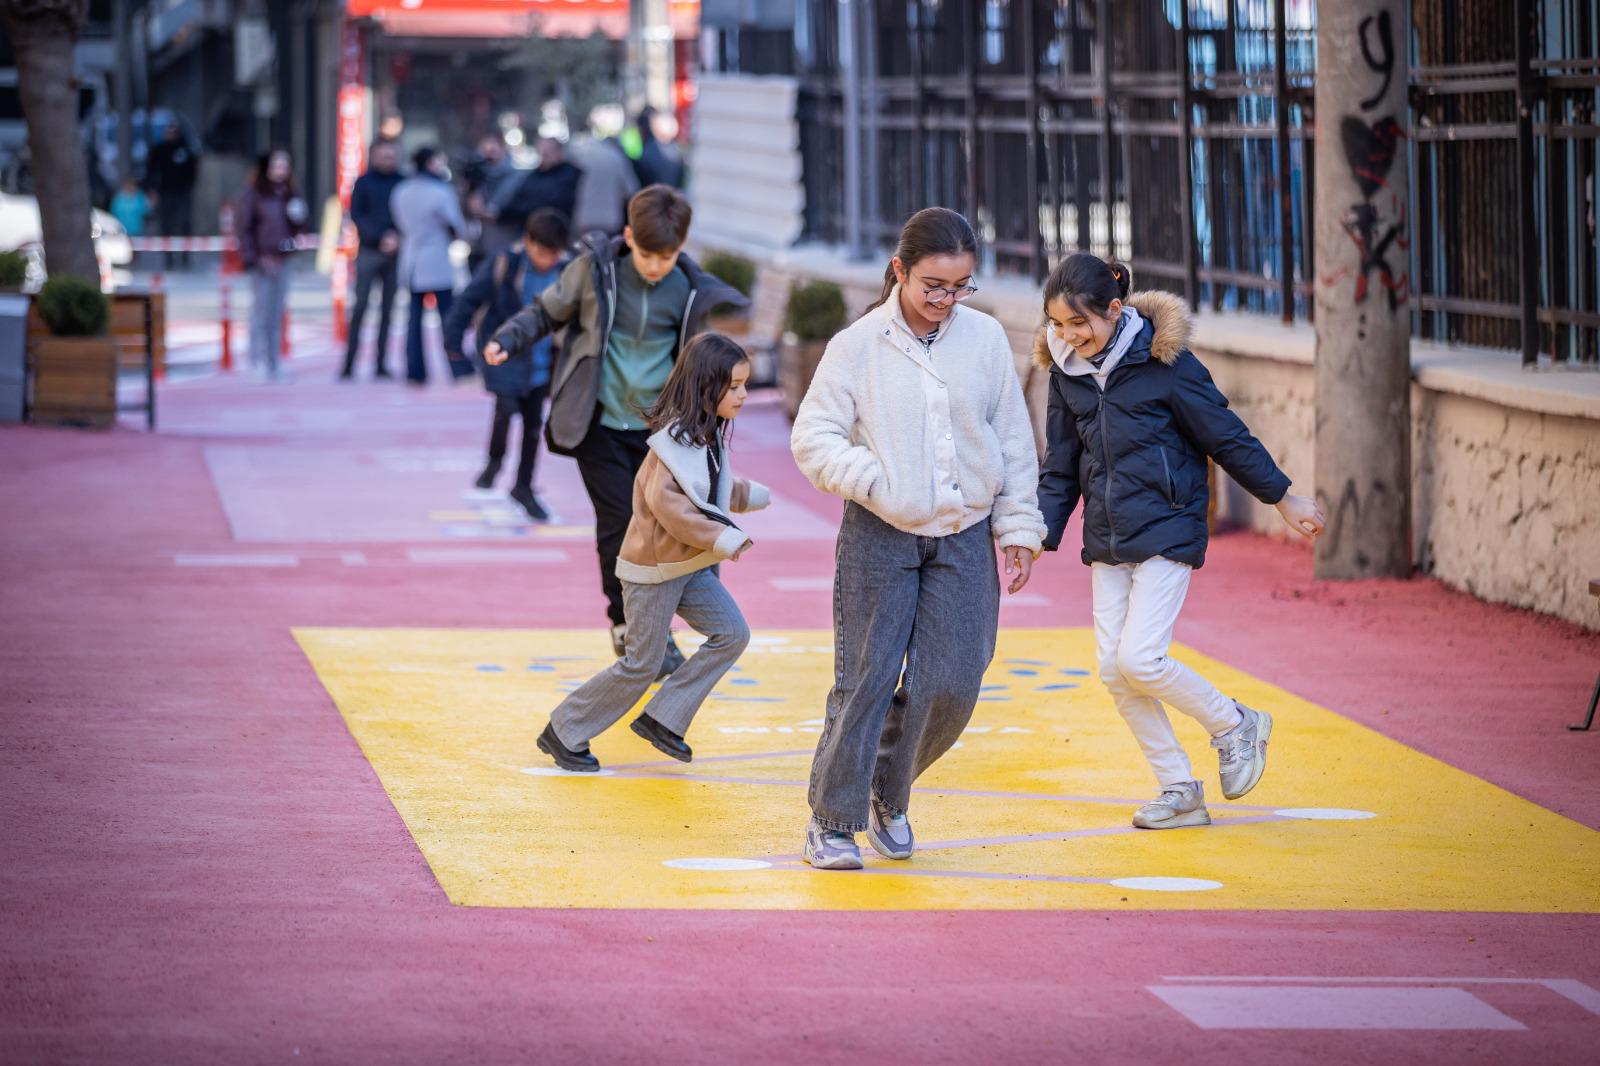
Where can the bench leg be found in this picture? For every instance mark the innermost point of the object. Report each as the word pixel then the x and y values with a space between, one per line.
pixel 1588 719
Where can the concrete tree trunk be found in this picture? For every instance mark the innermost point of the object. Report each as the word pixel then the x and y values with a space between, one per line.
pixel 43 33
pixel 1363 290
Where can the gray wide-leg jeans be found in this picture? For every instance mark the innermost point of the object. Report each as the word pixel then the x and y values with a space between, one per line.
pixel 928 604
pixel 700 600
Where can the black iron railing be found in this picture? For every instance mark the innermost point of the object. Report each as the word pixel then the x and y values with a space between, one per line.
pixel 1058 126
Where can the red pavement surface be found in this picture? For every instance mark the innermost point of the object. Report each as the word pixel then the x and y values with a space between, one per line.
pixel 200 866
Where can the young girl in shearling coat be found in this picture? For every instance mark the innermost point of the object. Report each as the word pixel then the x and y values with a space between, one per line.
pixel 684 499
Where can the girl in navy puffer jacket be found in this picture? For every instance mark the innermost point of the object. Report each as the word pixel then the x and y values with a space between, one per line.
pixel 1133 417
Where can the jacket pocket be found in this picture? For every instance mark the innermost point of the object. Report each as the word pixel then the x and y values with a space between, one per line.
pixel 1166 475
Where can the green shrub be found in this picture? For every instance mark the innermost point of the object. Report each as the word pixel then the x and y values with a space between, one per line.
pixel 72 307
pixel 736 270
pixel 816 311
pixel 13 269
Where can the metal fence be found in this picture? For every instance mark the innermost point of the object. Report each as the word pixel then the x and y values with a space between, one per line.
pixel 1058 125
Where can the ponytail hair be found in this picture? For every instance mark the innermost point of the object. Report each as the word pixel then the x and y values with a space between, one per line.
pixel 1088 283
pixel 931 231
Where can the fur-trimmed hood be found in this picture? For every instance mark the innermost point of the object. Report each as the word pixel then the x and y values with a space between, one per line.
pixel 1167 314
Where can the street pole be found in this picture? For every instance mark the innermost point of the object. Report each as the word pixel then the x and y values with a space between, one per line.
pixel 850 76
pixel 1363 288
pixel 122 89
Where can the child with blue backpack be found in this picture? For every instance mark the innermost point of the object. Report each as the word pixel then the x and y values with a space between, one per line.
pixel 1133 417
pixel 502 286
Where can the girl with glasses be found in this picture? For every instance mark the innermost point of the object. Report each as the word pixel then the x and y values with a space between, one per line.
pixel 916 419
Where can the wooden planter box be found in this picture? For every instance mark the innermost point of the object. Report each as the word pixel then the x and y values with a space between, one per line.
pixel 797 363
pixel 75 381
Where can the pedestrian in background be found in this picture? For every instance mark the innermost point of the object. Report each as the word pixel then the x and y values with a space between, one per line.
pixel 503 286
pixel 552 185
pixel 487 177
pixel 377 254
pixel 427 215
pixel 271 215
pixel 607 184
pixel 658 161
pixel 170 174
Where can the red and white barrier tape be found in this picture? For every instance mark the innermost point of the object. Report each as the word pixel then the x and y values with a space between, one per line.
pixel 204 244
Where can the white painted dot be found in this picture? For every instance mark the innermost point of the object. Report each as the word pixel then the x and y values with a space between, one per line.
pixel 1324 814
pixel 556 771
pixel 1167 884
pixel 717 864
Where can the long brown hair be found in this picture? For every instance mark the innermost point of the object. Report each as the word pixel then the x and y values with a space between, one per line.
pixel 688 404
pixel 931 231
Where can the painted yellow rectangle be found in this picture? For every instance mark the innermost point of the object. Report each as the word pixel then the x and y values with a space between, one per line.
pixel 1030 811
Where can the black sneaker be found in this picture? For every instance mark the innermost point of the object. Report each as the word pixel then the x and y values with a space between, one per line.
pixel 661 738
pixel 671 660
pixel 523 495
pixel 486 479
pixel 382 374
pixel 579 762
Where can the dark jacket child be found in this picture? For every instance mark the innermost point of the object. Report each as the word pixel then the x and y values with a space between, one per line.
pixel 684 500
pixel 1133 417
pixel 628 305
pixel 503 285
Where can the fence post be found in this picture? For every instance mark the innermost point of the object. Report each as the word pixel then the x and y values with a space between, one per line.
pixel 1280 113
pixel 1527 191
pixel 1363 289
pixel 1191 272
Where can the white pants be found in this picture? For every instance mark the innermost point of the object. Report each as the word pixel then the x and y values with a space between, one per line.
pixel 1135 607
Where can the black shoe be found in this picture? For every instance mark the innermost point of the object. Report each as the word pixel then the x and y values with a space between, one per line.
pixel 381 375
pixel 661 738
pixel 671 660
pixel 347 375
pixel 523 495
pixel 486 479
pixel 579 762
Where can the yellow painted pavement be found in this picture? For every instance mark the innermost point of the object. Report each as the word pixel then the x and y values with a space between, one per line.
pixel 1030 811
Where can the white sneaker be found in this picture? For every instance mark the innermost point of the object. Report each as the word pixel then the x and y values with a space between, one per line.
pixel 889 833
pixel 1242 752
pixel 1179 806
pixel 828 849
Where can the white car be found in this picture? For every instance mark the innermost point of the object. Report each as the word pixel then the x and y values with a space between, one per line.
pixel 20 229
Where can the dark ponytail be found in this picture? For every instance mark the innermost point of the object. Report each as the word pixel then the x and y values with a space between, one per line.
pixel 1088 283
pixel 931 231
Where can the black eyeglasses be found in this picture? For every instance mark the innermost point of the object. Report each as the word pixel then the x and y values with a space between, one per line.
pixel 939 293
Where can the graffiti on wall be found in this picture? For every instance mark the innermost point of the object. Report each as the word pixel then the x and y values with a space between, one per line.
pixel 1377 224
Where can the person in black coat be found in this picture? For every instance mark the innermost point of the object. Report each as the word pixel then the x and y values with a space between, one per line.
pixel 377 253
pixel 171 170
pixel 503 285
pixel 1133 417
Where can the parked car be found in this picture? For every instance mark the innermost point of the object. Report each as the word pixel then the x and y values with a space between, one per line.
pixel 20 229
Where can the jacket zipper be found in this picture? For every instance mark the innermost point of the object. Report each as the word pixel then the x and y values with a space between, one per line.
pixel 1105 455
pixel 644 313
pixel 1172 492
pixel 683 327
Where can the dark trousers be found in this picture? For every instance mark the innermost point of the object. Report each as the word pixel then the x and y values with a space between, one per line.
pixel 531 408
pixel 608 460
pixel 372 266
pixel 416 367
pixel 174 216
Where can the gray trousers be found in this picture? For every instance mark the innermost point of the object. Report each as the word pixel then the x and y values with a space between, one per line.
pixel 928 604
pixel 699 599
pixel 269 292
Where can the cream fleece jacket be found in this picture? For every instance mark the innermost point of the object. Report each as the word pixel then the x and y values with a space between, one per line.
pixel 932 444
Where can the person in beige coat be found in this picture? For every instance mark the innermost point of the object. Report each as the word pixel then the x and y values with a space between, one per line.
pixel 684 500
